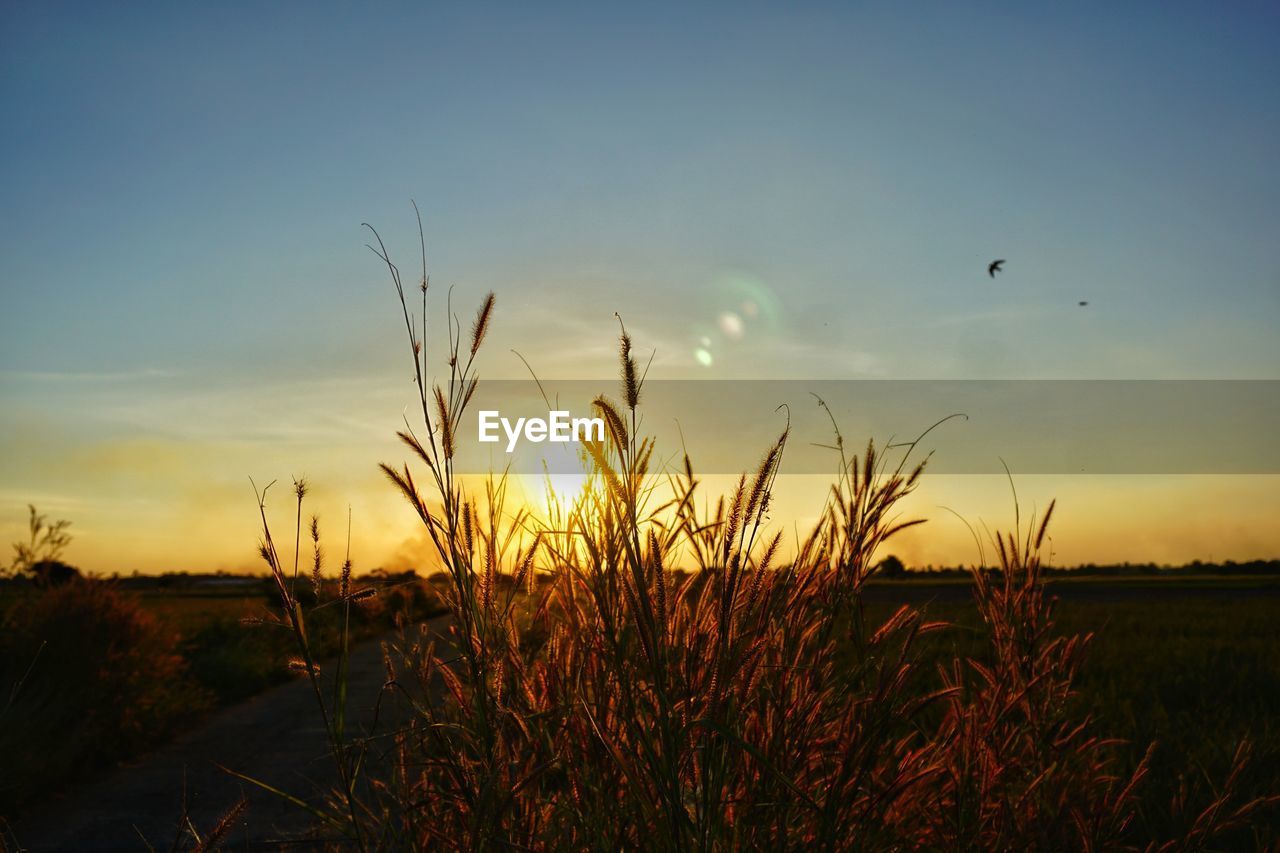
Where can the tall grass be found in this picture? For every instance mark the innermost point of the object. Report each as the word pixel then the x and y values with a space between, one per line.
pixel 641 669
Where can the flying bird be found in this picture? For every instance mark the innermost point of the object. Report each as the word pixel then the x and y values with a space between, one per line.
pixel 995 267
pixel 1083 302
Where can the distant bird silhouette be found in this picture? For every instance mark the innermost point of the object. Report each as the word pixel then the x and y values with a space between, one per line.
pixel 1083 302
pixel 995 267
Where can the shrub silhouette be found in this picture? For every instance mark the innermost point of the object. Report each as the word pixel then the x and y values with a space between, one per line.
pixel 92 677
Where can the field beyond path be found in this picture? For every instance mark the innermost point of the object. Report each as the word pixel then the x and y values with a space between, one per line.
pixel 276 737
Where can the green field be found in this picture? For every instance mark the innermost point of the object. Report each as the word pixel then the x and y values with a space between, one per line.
pixel 190 612
pixel 1191 664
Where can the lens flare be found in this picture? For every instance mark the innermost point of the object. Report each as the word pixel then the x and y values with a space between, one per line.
pixel 751 297
pixel 732 326
pixel 742 306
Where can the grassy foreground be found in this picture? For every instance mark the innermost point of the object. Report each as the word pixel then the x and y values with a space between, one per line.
pixel 1196 675
pixel 667 680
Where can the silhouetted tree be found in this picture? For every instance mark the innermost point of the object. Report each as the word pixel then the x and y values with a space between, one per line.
pixel 45 543
pixel 53 573
pixel 891 567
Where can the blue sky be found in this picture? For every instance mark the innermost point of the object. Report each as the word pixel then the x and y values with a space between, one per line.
pixel 184 187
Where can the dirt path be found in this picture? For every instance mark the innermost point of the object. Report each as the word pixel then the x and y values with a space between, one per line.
pixel 276 737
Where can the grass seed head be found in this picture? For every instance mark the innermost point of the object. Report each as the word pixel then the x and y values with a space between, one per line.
pixel 481 325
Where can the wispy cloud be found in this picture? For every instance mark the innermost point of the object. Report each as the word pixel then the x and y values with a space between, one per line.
pixel 87 375
pixel 45 501
pixel 994 316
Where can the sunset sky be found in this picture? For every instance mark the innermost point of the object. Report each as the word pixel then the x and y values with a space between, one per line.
pixel 186 300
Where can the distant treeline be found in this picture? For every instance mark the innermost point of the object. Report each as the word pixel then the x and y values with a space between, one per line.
pixel 207 581
pixel 892 567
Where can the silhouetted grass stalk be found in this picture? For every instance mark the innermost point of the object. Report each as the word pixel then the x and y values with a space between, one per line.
pixel 591 695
